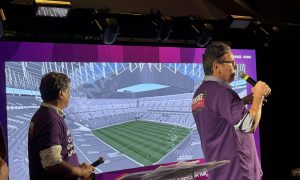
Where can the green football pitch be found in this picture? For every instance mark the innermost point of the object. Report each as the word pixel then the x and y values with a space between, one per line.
pixel 143 141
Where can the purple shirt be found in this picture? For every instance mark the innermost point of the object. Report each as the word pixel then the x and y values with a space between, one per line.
pixel 216 109
pixel 48 128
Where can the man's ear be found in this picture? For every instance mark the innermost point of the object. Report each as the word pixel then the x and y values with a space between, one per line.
pixel 60 94
pixel 215 66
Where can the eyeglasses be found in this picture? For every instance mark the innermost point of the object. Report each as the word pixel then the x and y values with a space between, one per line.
pixel 231 62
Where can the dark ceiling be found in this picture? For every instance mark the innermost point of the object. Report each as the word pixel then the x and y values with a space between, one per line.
pixel 271 11
pixel 136 18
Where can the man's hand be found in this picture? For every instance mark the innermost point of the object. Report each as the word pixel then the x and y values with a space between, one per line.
pixel 4 170
pixel 86 171
pixel 261 89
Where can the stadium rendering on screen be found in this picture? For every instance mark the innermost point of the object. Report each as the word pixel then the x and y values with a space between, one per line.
pixel 130 105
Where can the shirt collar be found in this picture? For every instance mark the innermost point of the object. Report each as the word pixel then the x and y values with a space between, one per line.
pixel 213 78
pixel 59 111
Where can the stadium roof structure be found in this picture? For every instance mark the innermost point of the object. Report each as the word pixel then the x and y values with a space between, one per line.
pixel 98 79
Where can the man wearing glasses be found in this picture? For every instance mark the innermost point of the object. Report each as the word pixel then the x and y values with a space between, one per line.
pixel 224 124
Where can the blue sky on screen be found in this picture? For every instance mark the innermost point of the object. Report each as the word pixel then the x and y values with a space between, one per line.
pixel 142 87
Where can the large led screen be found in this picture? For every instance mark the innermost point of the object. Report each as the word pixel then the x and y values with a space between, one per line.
pixel 129 104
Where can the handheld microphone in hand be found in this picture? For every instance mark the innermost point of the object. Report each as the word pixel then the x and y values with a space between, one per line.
pixel 247 78
pixel 99 161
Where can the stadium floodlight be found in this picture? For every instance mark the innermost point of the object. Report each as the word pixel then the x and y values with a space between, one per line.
pixel 2 19
pixel 53 8
pixel 239 22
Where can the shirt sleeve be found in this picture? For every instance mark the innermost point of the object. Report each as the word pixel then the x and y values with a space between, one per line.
pixel 245 124
pixel 50 134
pixel 51 156
pixel 50 144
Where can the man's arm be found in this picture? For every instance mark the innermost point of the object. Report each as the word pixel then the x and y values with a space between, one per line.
pixel 66 170
pixel 255 111
pixel 52 162
pixel 250 121
pixel 4 171
pixel 260 90
pixel 248 99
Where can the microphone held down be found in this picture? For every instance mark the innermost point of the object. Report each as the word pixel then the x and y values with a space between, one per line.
pixel 99 161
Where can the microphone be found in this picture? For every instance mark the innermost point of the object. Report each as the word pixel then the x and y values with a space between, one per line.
pixel 99 161
pixel 247 78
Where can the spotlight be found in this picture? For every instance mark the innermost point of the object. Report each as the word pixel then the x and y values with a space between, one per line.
pixel 1 30
pixel 109 29
pixel 265 33
pixel 165 28
pixel 2 19
pixel 206 36
pixel 273 33
pixel 51 8
pixel 162 25
pixel 239 22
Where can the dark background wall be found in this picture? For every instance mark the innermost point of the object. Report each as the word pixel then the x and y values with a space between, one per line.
pixel 280 124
